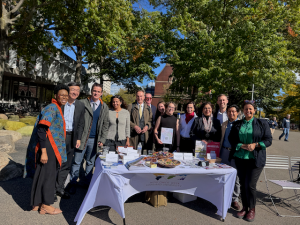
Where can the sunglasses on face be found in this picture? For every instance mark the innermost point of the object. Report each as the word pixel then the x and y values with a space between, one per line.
pixel 148 98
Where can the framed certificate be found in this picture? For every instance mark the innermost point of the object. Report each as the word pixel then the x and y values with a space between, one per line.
pixel 166 135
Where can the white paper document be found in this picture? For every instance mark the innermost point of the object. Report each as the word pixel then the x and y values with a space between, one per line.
pixel 131 152
pixel 112 158
pixel 178 156
pixel 122 149
pixel 188 156
pixel 166 135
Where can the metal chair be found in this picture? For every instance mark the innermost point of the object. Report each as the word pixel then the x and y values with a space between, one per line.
pixel 283 163
pixel 294 167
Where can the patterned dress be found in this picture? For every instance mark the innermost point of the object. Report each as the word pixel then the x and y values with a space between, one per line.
pixel 52 117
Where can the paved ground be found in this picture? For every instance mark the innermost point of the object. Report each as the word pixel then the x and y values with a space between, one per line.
pixel 15 195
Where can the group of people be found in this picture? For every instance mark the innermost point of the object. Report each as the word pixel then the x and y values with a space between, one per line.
pixel 69 130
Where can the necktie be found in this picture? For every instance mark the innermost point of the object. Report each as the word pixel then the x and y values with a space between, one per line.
pixel 140 111
pixel 94 106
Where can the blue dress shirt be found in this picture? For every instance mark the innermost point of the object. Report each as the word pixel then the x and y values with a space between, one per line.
pixel 69 115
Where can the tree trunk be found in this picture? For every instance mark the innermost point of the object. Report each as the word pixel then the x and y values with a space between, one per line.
pixel 78 64
pixel 3 53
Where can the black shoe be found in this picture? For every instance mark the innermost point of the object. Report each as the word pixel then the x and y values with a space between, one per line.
pixel 279 138
pixel 72 189
pixel 64 195
pixel 55 198
pixel 286 140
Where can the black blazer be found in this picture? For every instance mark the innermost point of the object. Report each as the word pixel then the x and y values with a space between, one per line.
pixel 198 133
pixel 153 108
pixel 261 133
pixel 78 123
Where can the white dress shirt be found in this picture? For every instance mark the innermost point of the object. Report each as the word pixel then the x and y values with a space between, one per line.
pixel 97 103
pixel 185 128
pixel 69 115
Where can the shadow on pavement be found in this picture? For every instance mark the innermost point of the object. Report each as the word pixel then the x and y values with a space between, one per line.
pixel 19 189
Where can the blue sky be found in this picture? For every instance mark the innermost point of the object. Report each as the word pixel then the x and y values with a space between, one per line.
pixel 114 88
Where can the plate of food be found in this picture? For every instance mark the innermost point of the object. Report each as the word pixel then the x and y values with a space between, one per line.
pixel 162 155
pixel 169 163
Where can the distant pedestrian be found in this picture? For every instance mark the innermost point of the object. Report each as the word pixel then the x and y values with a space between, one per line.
pixel 273 124
pixel 286 127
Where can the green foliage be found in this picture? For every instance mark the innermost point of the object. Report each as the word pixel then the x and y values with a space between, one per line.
pixel 128 98
pixel 2 123
pixel 26 131
pixel 225 46
pixel 12 125
pixel 106 98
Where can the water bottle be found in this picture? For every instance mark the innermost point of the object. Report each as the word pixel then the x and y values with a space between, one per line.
pixel 139 148
pixel 178 116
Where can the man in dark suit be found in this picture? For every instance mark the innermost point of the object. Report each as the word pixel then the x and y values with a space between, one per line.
pixel 74 118
pixel 148 99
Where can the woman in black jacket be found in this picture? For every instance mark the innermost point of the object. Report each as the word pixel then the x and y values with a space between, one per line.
pixel 249 139
pixel 206 128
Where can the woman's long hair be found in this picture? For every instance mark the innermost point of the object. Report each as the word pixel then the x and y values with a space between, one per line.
pixel 123 103
pixel 157 114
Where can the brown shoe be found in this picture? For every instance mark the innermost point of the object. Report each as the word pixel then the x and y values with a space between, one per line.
pixel 241 213
pixel 235 205
pixel 53 211
pixel 250 215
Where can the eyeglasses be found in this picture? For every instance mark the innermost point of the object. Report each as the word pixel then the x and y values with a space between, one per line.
pixel 148 98
pixel 250 101
pixel 171 107
pixel 63 96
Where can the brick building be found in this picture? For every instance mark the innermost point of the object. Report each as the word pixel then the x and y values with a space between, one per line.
pixel 162 83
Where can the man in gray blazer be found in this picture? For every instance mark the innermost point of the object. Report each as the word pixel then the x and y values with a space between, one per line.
pixel 74 119
pixel 93 136
pixel 225 148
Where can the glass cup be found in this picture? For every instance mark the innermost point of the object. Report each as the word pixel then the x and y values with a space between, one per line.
pixel 150 152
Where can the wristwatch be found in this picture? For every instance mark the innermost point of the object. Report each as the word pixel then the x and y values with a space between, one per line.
pixel 256 145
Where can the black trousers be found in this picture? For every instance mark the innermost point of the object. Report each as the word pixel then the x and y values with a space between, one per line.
pixel 65 167
pixel 186 145
pixel 43 185
pixel 249 175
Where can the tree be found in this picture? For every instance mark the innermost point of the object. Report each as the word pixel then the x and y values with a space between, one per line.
pixel 135 60
pixel 23 28
pixel 106 98
pixel 226 46
pixel 128 98
pixel 91 29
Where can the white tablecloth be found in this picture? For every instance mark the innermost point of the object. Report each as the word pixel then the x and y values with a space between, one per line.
pixel 112 187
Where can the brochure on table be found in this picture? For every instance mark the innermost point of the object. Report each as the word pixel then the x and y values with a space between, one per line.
pixel 166 135
pixel 182 156
pixel 200 149
pixel 112 158
pixel 213 146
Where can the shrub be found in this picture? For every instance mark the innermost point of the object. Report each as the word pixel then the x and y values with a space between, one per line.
pixel 2 123
pixel 12 125
pixel 26 131
pixel 29 121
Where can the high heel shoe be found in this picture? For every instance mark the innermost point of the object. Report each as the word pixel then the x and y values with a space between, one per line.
pixel 55 211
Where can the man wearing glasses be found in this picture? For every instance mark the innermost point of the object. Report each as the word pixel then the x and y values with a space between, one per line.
pixel 153 109
pixel 225 149
pixel 73 112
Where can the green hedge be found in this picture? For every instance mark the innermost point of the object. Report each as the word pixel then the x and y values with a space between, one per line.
pixel 12 125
